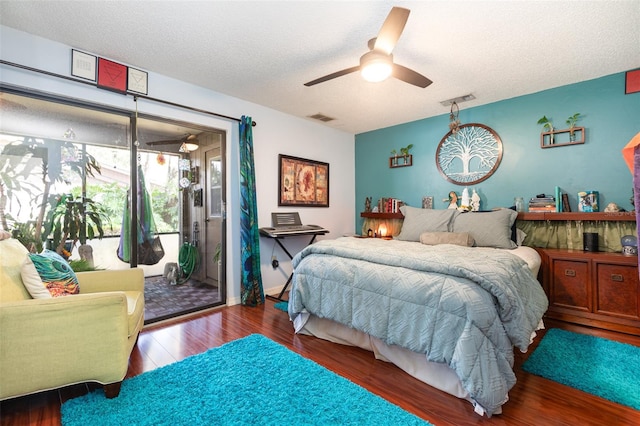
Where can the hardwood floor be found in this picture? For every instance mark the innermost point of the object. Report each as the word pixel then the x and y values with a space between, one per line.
pixel 533 400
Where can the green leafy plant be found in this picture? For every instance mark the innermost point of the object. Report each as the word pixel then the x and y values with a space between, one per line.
pixel 394 152
pixel 75 219
pixel 546 123
pixel 405 150
pixel 571 122
pixel 54 160
pixel 82 265
pixel 25 233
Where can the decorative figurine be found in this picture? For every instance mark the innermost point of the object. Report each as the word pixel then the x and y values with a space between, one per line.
pixel 475 201
pixel 465 203
pixel 612 207
pixel 453 200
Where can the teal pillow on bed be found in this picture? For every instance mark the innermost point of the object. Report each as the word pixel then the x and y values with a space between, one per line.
pixel 417 221
pixel 488 229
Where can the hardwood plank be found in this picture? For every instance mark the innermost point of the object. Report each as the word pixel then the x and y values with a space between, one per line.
pixel 533 400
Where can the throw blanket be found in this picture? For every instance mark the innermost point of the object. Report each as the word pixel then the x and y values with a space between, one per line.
pixel 466 307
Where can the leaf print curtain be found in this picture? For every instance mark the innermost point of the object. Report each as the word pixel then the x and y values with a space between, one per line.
pixel 251 291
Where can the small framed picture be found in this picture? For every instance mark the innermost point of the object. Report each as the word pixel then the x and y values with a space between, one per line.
pixel 632 82
pixel 138 81
pixel 83 65
pixel 427 202
pixel 112 75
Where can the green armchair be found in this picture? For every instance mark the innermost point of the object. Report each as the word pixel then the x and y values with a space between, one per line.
pixel 51 343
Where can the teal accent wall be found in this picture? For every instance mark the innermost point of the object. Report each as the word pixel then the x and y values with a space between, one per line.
pixel 610 118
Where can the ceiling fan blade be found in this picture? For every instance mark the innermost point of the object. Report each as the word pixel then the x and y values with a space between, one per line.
pixel 188 138
pixel 410 76
pixel 167 142
pixel 332 76
pixel 391 30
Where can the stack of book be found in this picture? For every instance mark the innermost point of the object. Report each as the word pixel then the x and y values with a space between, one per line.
pixel 542 204
pixel 389 205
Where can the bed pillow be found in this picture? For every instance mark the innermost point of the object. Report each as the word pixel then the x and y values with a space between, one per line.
pixel 416 221
pixel 488 229
pixel 47 275
pixel 457 238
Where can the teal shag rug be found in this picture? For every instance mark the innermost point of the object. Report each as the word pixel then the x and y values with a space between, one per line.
pixel 283 306
pixel 253 380
pixel 601 367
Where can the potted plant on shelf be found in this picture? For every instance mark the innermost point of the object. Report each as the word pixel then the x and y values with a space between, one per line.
pixel 394 160
pixel 571 122
pixel 548 126
pixel 405 152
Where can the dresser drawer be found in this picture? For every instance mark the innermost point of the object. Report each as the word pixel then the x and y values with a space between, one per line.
pixel 569 286
pixel 617 291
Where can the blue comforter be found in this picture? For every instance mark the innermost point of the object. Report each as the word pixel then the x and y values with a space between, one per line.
pixel 466 307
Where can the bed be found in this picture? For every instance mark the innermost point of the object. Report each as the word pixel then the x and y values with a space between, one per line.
pixel 447 300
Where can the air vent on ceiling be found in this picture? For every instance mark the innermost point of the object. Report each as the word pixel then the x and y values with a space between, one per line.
pixel 458 100
pixel 321 117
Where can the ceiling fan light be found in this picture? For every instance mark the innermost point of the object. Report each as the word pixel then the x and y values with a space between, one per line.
pixel 376 66
pixel 376 72
pixel 188 147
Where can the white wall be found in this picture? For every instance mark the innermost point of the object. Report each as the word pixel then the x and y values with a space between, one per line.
pixel 276 133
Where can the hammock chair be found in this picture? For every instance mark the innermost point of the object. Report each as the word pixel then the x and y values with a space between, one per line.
pixel 150 249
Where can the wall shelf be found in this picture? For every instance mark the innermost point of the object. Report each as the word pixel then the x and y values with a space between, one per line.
pixel 401 161
pixel 595 216
pixel 558 138
pixel 377 215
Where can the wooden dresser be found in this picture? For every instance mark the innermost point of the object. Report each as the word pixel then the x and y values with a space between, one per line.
pixel 598 289
pixel 592 288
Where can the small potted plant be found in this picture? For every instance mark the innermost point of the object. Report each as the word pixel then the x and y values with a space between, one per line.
pixel 405 152
pixel 394 160
pixel 571 122
pixel 548 126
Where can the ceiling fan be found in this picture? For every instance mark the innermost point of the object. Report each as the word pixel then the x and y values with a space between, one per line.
pixel 377 64
pixel 188 143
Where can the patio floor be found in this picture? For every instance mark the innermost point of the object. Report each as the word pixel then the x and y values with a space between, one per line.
pixel 163 300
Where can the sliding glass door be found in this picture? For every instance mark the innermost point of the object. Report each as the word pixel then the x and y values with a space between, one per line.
pixel 58 156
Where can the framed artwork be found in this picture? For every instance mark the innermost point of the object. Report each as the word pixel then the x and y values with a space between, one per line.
pixel 83 65
pixel 470 155
pixel 112 75
pixel 302 182
pixel 137 81
pixel 427 202
pixel 632 82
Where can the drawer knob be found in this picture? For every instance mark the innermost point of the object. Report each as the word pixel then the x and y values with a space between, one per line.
pixel 570 272
pixel 617 277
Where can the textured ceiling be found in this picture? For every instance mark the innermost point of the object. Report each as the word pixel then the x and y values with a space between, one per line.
pixel 264 51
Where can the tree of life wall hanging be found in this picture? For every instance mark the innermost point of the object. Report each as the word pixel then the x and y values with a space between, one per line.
pixel 469 155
